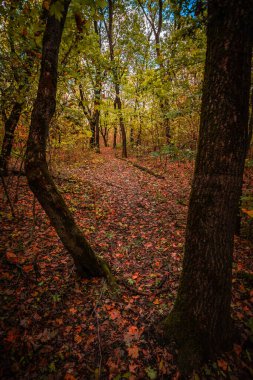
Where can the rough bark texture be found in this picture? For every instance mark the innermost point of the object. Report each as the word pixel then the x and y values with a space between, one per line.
pixel 200 321
pixel 10 126
pixel 40 181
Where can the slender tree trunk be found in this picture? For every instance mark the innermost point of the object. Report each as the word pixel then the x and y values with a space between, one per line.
pixel 118 106
pixel 10 127
pixel 200 321
pixel 114 144
pixel 96 115
pixel 104 132
pixel 131 139
pixel 117 101
pixel 39 179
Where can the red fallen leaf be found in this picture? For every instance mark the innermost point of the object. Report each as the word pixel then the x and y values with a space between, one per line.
pixel 222 364
pixel 12 335
pixel 72 310
pixel 135 275
pixel 68 376
pixel 114 314
pixel 133 352
pixel 12 258
pixel 27 268
pixel 133 330
pixel 90 340
pixel 133 333
pixel 78 329
pixel 237 349
pixel 68 329
pixel 132 367
pixel 148 245
pixel 156 301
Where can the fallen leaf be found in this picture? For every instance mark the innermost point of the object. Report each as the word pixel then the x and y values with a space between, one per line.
pixel 114 314
pixel 68 376
pixel 11 336
pixel 78 339
pixel 12 258
pixel 222 364
pixel 133 352
pixel 72 310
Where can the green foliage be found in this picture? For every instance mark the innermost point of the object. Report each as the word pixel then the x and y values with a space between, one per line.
pixel 56 9
pixel 174 153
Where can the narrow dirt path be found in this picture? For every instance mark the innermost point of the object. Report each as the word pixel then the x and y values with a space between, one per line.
pixel 145 215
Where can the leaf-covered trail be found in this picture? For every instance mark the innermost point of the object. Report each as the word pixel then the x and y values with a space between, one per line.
pixel 56 326
pixel 144 214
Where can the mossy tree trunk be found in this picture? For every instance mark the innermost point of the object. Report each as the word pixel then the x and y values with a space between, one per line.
pixel 200 321
pixel 39 179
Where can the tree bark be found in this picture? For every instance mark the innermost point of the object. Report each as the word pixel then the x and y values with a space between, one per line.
pixel 116 81
pixel 39 179
pixel 10 127
pixel 200 321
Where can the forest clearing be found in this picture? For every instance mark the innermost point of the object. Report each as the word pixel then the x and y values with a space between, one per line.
pixel 126 172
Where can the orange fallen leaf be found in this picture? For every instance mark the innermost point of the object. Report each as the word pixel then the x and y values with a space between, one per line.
pixel 114 314
pixel 13 258
pixel 27 268
pixel 72 310
pixel 222 364
pixel 11 336
pixel 68 376
pixel 133 352
pixel 78 339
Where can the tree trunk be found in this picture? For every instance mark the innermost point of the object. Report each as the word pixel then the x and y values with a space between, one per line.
pixel 97 111
pixel 118 106
pixel 39 179
pixel 116 81
pixel 10 126
pixel 200 321
pixel 114 144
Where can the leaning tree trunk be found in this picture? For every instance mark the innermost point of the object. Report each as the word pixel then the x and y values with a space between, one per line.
pixel 39 179
pixel 200 321
pixel 10 127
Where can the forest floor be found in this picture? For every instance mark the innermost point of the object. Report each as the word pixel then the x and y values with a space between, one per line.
pixel 54 325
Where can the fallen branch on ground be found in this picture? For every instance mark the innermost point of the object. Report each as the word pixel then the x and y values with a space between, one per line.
pixel 144 169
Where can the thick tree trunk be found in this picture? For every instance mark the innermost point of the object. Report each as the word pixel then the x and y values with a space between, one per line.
pixel 37 172
pixel 10 126
pixel 200 321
